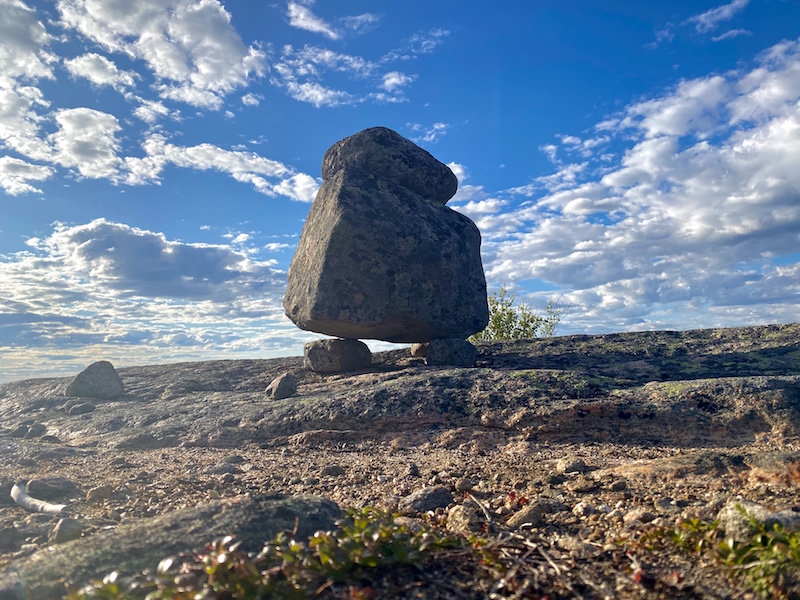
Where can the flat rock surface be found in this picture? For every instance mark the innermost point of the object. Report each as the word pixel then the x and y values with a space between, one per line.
pixel 689 418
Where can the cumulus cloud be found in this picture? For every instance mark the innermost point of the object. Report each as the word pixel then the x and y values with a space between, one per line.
pixel 709 20
pixel 698 219
pixel 108 289
pixel 250 99
pixel 15 175
pixel 191 48
pixel 394 80
pixel 86 139
pixel 100 71
pixel 23 45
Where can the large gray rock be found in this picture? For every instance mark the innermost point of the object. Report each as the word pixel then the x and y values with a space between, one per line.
pixel 380 256
pixel 98 380
pixel 142 544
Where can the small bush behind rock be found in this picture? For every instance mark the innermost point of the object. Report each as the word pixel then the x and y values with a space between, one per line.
pixel 509 322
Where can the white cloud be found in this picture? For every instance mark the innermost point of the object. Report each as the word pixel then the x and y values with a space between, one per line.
pixel 361 23
pixel 250 99
pixel 428 134
pixel 190 47
pixel 23 45
pixel 245 167
pixel 709 20
pixel 276 246
pixel 111 290
pixel 698 220
pixel 100 71
pixel 15 175
pixel 301 17
pixel 731 34
pixel 150 111
pixel 86 139
pixel 20 120
pixel 394 80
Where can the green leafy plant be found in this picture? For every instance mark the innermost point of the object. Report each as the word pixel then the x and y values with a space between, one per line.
pixel 362 542
pixel 768 563
pixel 510 322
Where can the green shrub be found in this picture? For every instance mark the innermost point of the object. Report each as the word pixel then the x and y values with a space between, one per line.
pixel 510 322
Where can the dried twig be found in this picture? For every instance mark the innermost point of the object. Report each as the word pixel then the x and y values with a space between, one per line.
pixel 19 495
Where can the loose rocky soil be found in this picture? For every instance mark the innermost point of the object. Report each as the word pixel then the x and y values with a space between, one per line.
pixel 609 436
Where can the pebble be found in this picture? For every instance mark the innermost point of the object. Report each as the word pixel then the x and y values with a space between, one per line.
pixel 531 515
pixel 66 530
pixel 227 478
pixel 81 408
pixel 100 493
pixel 51 488
pixel 332 471
pixel 429 498
pixel 462 518
pixel 583 509
pixel 36 430
pixel 413 469
pixel 638 514
pixel 220 468
pixel 570 464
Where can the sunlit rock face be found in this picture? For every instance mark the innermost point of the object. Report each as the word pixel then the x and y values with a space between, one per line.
pixel 381 256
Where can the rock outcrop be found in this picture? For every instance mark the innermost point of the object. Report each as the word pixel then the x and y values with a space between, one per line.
pixel 381 256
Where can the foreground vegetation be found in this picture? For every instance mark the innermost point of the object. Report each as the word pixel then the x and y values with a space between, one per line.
pixel 369 544
pixel 511 321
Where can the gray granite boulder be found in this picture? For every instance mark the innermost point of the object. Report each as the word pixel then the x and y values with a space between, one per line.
pixel 98 380
pixel 336 356
pixel 380 256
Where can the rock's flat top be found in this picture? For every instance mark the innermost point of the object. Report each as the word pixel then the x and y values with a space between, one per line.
pixel 655 417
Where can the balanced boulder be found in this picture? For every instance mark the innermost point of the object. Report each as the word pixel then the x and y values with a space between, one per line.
pixel 380 255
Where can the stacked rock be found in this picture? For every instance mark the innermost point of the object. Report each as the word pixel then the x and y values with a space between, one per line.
pixel 381 256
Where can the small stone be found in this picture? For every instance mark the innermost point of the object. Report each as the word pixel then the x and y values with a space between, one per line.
pixel 98 380
pixel 283 386
pixel 413 469
pixel 419 350
pixel 66 530
pixel 570 464
pixel 336 356
pixel 227 478
pixel 36 430
pixel 531 515
pixel 221 468
pixel 426 499
pixel 464 484
pixel 213 495
pixel 81 408
pixel 332 471
pixel 463 518
pixel 641 515
pixel 100 493
pixel 619 485
pixel 451 352
pixel 583 509
pixel 51 488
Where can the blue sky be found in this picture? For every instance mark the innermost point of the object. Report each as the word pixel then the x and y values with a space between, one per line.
pixel 638 160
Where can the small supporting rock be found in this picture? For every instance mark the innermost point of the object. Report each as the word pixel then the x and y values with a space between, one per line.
pixel 451 352
pixel 419 350
pixel 336 356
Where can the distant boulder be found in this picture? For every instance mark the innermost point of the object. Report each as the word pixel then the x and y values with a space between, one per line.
pixel 98 380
